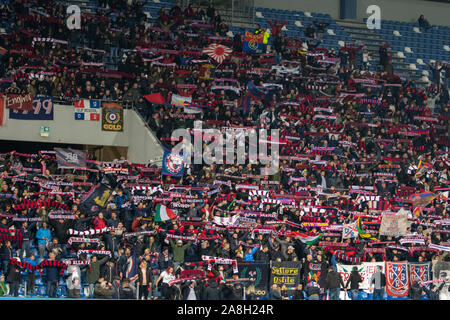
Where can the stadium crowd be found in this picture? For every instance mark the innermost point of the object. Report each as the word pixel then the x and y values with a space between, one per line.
pixel 353 143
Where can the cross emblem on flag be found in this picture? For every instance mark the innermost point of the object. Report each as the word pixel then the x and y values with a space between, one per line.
pixel 350 230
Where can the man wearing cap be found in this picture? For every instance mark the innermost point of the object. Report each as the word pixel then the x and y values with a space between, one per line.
pixel 290 254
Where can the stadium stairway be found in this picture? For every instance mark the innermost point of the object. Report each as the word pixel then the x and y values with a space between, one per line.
pixel 359 32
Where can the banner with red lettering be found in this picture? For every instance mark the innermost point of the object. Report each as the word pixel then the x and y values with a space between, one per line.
pixel 366 270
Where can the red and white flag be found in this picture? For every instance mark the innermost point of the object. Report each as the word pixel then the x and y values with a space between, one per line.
pixel 218 52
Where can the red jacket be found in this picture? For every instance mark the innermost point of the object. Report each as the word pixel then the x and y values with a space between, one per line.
pixel 99 223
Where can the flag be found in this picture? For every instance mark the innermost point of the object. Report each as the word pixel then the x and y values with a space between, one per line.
pixel 417 211
pixel 96 198
pixel 253 43
pixel 87 109
pixel 155 98
pixel 394 225
pixel 172 164
pixel 68 158
pixel 180 101
pixel 218 52
pixel 244 103
pixel 350 230
pixel 397 279
pixel 112 117
pixel 256 93
pixel 42 110
pixel 362 233
pixel 422 199
pixel 163 213
pixel 310 240
pixel 419 271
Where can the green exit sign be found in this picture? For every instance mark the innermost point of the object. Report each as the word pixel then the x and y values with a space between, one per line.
pixel 45 131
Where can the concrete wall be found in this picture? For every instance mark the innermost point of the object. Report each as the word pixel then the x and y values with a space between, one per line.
pixel 142 145
pixel 400 10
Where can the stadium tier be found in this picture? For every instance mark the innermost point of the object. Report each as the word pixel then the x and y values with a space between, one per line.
pixel 287 156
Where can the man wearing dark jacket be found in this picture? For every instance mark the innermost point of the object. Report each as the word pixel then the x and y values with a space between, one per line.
pixel 415 290
pixel 354 280
pixel 6 253
pixel 14 278
pixel 109 271
pixel 190 291
pixel 213 291
pixel 433 294
pixel 334 284
pixel 60 228
pixel 52 277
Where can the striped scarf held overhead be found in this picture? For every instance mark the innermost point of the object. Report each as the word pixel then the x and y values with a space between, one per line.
pixel 74 262
pixel 41 265
pixel 30 204
pixel 323 150
pixel 372 101
pixel 343 256
pixel 95 252
pixel 216 260
pixel 90 232
pixel 184 238
pixel 82 240
pixel 439 247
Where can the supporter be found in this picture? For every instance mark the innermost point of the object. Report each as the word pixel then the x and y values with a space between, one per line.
pixel 144 280
pixel 166 276
pixel 6 254
pixel 93 273
pixel 334 284
pixel 103 289
pixel 354 280
pixel 127 290
pixel 348 125
pixel 14 277
pixel 378 283
pixel 52 278
pixel 44 237
pixel 423 23
pixel 31 275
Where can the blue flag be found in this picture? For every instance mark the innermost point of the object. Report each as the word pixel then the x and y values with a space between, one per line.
pixel 173 164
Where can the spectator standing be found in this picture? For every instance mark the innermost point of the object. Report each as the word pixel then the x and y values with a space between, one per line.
pixel 334 284
pixel 93 273
pixel 378 282
pixel 354 280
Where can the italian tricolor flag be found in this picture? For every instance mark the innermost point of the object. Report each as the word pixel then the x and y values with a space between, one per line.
pixel 310 239
pixel 163 213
